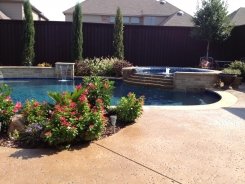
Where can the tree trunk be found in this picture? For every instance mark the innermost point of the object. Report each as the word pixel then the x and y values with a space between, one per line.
pixel 207 51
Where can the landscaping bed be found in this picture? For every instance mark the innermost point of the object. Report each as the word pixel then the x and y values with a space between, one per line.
pixel 73 118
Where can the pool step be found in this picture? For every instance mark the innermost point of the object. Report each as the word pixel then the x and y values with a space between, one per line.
pixel 149 80
pixel 152 76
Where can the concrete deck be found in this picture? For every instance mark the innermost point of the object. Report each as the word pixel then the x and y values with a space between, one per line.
pixel 164 146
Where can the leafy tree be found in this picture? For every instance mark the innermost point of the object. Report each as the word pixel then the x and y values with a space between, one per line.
pixel 77 33
pixel 29 36
pixel 118 36
pixel 211 22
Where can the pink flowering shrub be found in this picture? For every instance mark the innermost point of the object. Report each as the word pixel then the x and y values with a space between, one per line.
pixel 36 112
pixel 77 116
pixel 7 107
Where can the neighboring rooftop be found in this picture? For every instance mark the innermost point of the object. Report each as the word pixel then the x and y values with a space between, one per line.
pixel 136 8
pixel 3 16
pixel 11 9
pixel 238 17
pixel 128 7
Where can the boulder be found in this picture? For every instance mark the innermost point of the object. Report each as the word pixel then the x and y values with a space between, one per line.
pixel 17 123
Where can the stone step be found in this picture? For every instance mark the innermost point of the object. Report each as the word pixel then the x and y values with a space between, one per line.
pixel 152 76
pixel 162 81
pixel 151 79
pixel 165 86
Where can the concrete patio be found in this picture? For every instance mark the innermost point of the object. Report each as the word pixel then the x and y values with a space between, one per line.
pixel 164 146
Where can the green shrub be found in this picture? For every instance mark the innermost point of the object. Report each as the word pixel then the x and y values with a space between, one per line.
pixel 100 67
pixel 231 71
pixel 99 88
pixel 79 115
pixel 35 112
pixel 118 35
pixel 129 108
pixel 238 65
pixel 119 65
pixel 77 51
pixel 29 36
pixel 7 107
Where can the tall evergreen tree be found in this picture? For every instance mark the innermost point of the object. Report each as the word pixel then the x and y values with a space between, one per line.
pixel 118 36
pixel 77 34
pixel 211 22
pixel 29 36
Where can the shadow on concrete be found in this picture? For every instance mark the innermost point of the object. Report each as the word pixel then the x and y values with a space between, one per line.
pixel 240 112
pixel 39 153
pixel 32 153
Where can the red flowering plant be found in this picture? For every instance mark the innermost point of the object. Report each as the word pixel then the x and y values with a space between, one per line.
pixel 99 88
pixel 7 107
pixel 36 112
pixel 76 116
pixel 36 115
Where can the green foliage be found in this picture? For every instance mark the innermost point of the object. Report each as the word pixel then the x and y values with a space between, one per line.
pixel 99 88
pixel 77 33
pixel 118 36
pixel 118 66
pixel 238 65
pixel 129 108
pixel 101 67
pixel 29 36
pixel 7 107
pixel 211 22
pixel 35 112
pixel 77 115
pixel 231 71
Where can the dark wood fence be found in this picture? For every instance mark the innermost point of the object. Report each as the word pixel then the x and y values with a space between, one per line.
pixel 144 45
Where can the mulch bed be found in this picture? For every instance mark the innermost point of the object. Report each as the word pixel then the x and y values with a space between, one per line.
pixel 5 141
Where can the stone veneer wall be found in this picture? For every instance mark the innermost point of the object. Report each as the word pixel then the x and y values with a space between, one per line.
pixel 195 80
pixel 186 80
pixel 26 72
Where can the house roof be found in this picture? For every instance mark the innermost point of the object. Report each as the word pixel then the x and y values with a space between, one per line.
pixel 128 7
pixel 39 12
pixel 179 18
pixel 33 7
pixel 3 16
pixel 238 16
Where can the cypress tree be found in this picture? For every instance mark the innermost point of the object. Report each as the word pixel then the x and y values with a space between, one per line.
pixel 211 22
pixel 29 36
pixel 77 33
pixel 118 36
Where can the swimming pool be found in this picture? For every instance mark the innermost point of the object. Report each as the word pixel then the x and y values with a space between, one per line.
pixel 37 89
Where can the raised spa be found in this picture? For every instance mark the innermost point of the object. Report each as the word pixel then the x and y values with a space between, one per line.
pixel 180 78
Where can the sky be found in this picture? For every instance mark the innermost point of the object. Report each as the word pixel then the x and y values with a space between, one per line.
pixel 53 9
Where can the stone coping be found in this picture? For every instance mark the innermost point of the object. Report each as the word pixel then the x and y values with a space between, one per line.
pixel 227 100
pixel 23 67
pixel 206 72
pixel 62 63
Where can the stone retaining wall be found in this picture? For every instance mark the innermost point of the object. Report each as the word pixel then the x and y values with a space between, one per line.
pixel 26 72
pixel 192 81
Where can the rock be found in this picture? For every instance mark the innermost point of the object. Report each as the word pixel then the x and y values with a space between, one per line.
pixel 17 123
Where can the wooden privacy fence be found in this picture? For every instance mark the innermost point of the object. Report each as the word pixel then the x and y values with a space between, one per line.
pixel 144 45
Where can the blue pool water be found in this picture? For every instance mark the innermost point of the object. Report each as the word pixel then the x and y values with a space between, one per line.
pixel 162 70
pixel 38 88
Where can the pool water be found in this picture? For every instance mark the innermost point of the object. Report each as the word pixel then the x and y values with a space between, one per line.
pixel 38 89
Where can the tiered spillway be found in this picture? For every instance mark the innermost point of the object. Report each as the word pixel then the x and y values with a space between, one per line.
pixel 165 82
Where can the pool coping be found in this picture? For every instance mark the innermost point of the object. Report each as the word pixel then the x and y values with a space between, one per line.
pixel 227 100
